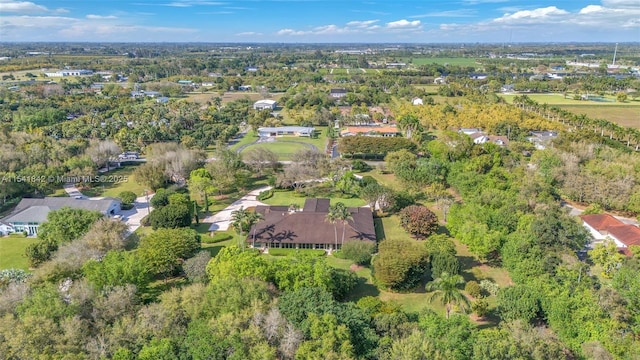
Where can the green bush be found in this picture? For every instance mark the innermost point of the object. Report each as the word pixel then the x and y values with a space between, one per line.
pixel 126 206
pixel 294 252
pixel 360 166
pixel 358 251
pixel 473 289
pixel 216 238
pixel 127 197
pixel 264 195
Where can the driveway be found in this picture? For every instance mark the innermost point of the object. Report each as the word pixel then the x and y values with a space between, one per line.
pixel 131 217
pixel 222 220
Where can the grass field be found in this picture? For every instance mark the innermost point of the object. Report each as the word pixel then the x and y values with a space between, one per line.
pixel 124 181
pixel 12 251
pixel 283 149
pixel 625 114
pixel 203 98
pixel 291 197
pixel 442 61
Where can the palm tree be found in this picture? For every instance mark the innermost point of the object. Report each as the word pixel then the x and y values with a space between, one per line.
pixel 242 219
pixel 332 217
pixel 446 288
pixel 343 214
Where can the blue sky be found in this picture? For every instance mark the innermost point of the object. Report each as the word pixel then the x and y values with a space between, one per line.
pixel 327 21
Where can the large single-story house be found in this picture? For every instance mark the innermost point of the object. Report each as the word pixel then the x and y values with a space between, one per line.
pixel 30 213
pixel 286 130
pixel 605 227
pixel 482 138
pixel 373 131
pixel 338 93
pixel 265 105
pixel 282 227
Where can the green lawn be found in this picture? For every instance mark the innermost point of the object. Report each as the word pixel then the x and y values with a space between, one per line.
pixel 12 251
pixel 117 181
pixel 248 138
pixel 283 149
pixel 292 197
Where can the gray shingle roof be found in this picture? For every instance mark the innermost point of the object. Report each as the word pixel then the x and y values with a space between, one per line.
pixel 36 210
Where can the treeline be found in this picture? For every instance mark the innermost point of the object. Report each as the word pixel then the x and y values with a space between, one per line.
pixel 368 147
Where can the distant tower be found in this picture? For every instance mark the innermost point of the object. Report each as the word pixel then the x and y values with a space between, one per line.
pixel 615 52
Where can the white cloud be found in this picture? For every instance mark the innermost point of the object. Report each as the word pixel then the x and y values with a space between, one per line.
pixel 100 17
pixel 290 32
pixel 26 7
pixel 541 14
pixel 249 33
pixel 361 24
pixel 404 24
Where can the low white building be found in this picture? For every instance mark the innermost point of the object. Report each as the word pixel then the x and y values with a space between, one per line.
pixel 604 227
pixel 265 105
pixel 416 101
pixel 286 131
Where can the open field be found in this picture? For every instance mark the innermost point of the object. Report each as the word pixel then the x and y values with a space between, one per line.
pixel 291 197
pixel 625 114
pixel 124 180
pixel 284 149
pixel 12 251
pixel 203 98
pixel 442 61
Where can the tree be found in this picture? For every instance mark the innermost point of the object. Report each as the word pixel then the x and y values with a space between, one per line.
pixel 242 220
pixel 518 303
pixel 171 216
pixel 401 157
pixel 261 159
pixel 418 220
pixel 607 256
pixel 400 263
pixel 621 96
pixel 117 268
pixel 103 152
pixel 164 250
pixel 200 182
pixel 444 263
pixel 150 176
pixel 195 268
pixel 446 288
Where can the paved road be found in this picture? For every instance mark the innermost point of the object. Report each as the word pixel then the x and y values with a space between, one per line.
pixel 222 220
pixel 574 211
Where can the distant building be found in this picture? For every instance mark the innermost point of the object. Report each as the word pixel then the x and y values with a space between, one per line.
pixel 30 213
pixel 416 101
pixel 469 131
pixel 142 93
pixel 286 131
pixel 265 105
pixel 395 65
pixel 185 82
pixel 338 93
pixel 541 139
pixel 372 131
pixel 63 73
pixel 482 138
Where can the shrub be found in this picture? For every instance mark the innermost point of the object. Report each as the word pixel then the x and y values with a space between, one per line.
pixel 489 286
pixel 473 288
pixel 264 195
pixel 418 220
pixel 444 262
pixel 294 252
pixel 127 197
pixel 195 268
pixel 360 166
pixel 480 307
pixel 358 251
pixel 219 237
pixel 400 264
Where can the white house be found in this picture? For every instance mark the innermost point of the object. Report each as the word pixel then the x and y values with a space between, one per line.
pixel 338 93
pixel 469 131
pixel 30 213
pixel 265 105
pixel 416 101
pixel 5 229
pixel 605 227
pixel 285 130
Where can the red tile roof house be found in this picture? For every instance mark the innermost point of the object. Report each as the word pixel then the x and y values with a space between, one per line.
pixel 605 226
pixel 308 228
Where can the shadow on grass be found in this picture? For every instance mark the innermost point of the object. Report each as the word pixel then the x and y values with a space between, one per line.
pixel 362 289
pixel 214 250
pixel 379 228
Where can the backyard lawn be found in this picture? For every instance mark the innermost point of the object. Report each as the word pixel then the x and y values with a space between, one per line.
pixel 118 180
pixel 284 149
pixel 12 251
pixel 292 197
